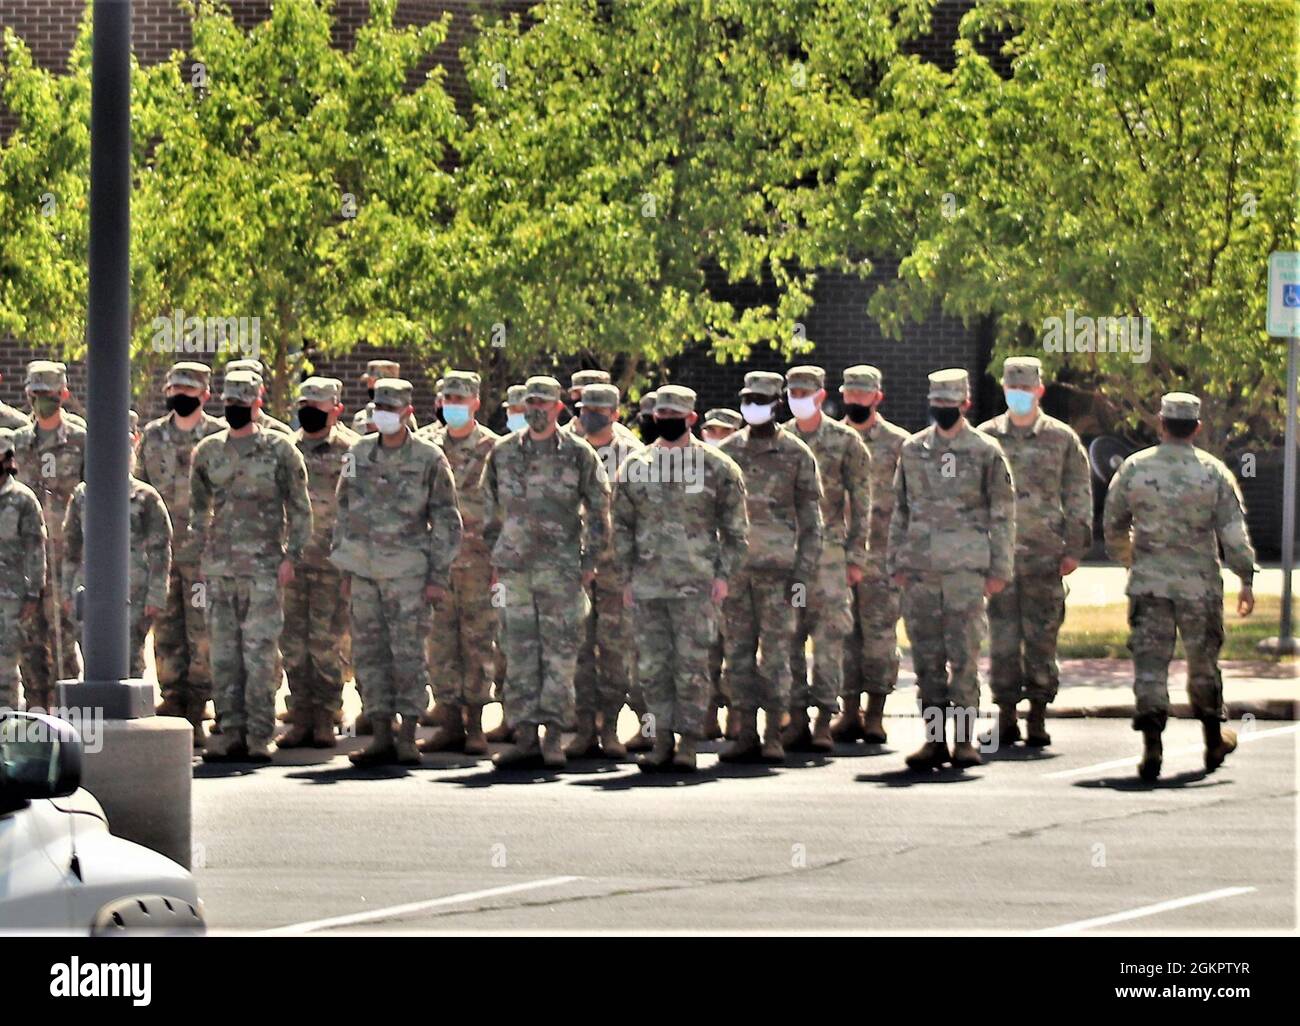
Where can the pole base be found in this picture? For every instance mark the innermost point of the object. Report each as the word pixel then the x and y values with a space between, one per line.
pixel 1277 646
pixel 130 699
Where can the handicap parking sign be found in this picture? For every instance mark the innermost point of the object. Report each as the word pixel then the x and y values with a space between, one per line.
pixel 1291 295
pixel 1284 295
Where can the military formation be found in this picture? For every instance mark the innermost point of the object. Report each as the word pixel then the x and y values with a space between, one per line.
pixel 573 567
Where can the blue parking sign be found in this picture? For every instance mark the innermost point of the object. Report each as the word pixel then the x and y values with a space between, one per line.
pixel 1283 319
pixel 1291 295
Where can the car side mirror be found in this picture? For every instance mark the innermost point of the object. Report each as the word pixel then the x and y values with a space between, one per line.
pixel 40 757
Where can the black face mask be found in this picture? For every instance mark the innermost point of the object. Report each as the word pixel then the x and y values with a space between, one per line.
pixel 239 416
pixel 649 428
pixel 594 423
pixel 312 419
pixel 182 405
pixel 944 416
pixel 858 413
pixel 370 393
pixel 671 428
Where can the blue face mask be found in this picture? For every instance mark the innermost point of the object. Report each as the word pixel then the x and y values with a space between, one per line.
pixel 1019 401
pixel 516 421
pixel 455 415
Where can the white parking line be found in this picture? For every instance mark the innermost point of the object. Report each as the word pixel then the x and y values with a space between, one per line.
pixel 1149 910
pixel 416 906
pixel 1250 735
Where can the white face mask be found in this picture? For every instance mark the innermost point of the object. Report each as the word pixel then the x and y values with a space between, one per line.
pixel 709 440
pixel 756 413
pixel 802 408
pixel 387 422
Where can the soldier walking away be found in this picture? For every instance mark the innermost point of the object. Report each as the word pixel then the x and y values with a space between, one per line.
pixel 396 535
pixel 951 544
pixel 180 631
pixel 22 566
pixel 1168 511
pixel 1053 534
pixel 546 496
pixel 783 498
pixel 251 513
pixel 681 529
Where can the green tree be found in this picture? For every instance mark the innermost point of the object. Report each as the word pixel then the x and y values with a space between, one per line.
pixel 1140 160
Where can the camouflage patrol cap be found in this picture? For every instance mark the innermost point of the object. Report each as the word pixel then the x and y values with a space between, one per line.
pixel 461 384
pixel 764 383
pixel 723 417
pixel 392 394
pixel 950 385
pixel 46 376
pixel 807 376
pixel 601 396
pixel 583 378
pixel 647 405
pixel 1022 371
pixel 675 399
pixel 241 386
pixel 1180 406
pixel 320 390
pixel 6 441
pixel 862 378
pixel 514 396
pixel 255 366
pixel 542 386
pixel 189 374
pixel 382 369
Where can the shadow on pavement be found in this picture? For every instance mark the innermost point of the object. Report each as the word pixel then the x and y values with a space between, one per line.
pixel 349 772
pixel 1188 778
pixel 862 750
pixel 911 778
pixel 220 770
pixel 1018 753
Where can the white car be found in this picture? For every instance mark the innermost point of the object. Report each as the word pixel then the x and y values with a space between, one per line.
pixel 60 868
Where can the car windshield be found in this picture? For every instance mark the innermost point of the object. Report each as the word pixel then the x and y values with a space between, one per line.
pixel 28 753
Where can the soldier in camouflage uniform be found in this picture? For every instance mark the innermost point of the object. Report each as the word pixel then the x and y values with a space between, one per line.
pixel 681 528
pixel 463 639
pixel 22 567
pixel 50 452
pixel 315 612
pixel 605 675
pixel 785 543
pixel 150 558
pixel 516 420
pixel 718 424
pixel 1053 534
pixel 180 631
pixel 375 370
pixel 645 421
pixel 251 513
pixel 844 466
pixel 951 544
pixel 580 381
pixel 1168 510
pixel 263 419
pixel 871 656
pixel 396 535
pixel 547 501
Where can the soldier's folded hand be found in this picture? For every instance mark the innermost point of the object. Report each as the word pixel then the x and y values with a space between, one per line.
pixel 1068 565
pixel 434 593
pixel 719 591
pixel 1246 601
pixel 285 573
pixel 993 585
pixel 853 575
pixel 151 611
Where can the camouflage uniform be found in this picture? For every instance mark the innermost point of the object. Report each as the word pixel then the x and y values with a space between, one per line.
pixel 180 632
pixel 844 466
pixel 1053 521
pixel 51 464
pixel 1168 510
pixel 315 611
pixel 22 569
pixel 680 522
pixel 536 494
pixel 953 527
pixel 12 417
pixel 605 679
pixel 262 417
pixel 397 533
pixel 871 658
pixel 150 558
pixel 463 639
pixel 375 370
pixel 783 498
pixel 732 421
pixel 249 510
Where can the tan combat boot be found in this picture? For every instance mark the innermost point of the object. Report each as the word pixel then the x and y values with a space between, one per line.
pixel 795 735
pixel 584 745
pixel 684 756
pixel 525 753
pixel 382 750
pixel 553 747
pixel 1036 735
pixel 933 754
pixel 734 720
pixel 660 756
pixel 475 742
pixel 1008 726
pixel 433 716
pixel 298 728
pixel 772 751
pixel 195 709
pixel 260 749
pixel 822 741
pixel 639 742
pixel 847 725
pixel 712 728
pixel 322 729
pixel 745 747
pixel 448 732
pixel 226 747
pixel 611 747
pixel 361 726
pixel 408 753
pixel 1152 752
pixel 173 704
pixel 873 721
pixel 1220 742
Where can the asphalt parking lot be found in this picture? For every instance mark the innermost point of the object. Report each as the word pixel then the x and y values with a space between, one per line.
pixel 1063 840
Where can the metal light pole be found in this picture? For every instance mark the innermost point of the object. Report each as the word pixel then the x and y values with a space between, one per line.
pixel 1286 641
